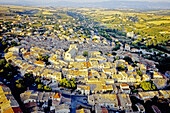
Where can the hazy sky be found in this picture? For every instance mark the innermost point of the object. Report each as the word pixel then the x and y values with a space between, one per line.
pixel 8 1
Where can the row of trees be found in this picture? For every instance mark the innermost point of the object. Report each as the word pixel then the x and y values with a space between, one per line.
pixel 7 70
pixel 68 83
pixel 121 67
pixel 44 58
pixel 85 53
pixel 117 47
pixel 29 80
pixel 6 45
pixel 147 86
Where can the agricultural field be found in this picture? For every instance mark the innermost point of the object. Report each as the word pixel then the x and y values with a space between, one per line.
pixel 159 22
pixel 7 12
pixel 142 22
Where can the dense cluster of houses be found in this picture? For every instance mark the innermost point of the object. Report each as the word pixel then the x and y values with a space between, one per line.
pixel 111 101
pixel 35 101
pixel 96 74
pixel 96 77
pixel 75 66
pixel 150 94
pixel 8 104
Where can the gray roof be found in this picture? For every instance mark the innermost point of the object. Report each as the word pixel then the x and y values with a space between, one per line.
pixel 40 96
pixel 92 86
pixel 72 52
pixel 62 106
pixel 34 97
pixel 13 103
pixel 6 89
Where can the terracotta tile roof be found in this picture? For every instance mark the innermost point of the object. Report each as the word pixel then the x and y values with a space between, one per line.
pixel 10 110
pixel 39 62
pixel 17 110
pixel 89 74
pixel 104 110
pixel 57 95
pixel 28 53
pixel 89 64
pixel 124 85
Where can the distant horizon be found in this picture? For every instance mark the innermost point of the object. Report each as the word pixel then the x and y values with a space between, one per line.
pixel 122 4
pixel 79 1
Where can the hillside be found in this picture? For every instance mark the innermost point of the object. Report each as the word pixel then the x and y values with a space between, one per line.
pixel 152 26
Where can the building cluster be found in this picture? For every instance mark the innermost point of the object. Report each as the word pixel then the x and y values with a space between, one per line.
pixel 35 101
pixel 8 104
pixel 150 94
pixel 96 77
pixel 51 53
pixel 111 101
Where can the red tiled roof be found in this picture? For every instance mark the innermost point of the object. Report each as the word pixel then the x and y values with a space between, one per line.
pixel 104 110
pixel 17 110
pixel 10 110
pixel 30 104
pixel 3 85
pixel 124 85
pixel 28 53
pixel 58 95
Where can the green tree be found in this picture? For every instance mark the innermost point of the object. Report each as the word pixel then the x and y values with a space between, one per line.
pixel 40 87
pixel 164 64
pixel 114 53
pixel 63 82
pixel 121 67
pixel 116 58
pixel 78 32
pixel 6 50
pixel 37 80
pixel 29 79
pixel 117 47
pixel 128 59
pixel 85 53
pixel 69 84
pixel 8 66
pixel 139 72
pixel 101 52
pixel 28 75
pixel 147 86
pixel 73 85
pixel 94 38
pixel 4 43
pixel 19 44
pixel 1 71
pixel 13 43
pixel 134 65
pixel 44 59
pixel 47 88
pixel 20 83
pixel 106 54
pixel 2 63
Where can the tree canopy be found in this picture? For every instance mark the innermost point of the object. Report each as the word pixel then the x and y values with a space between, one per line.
pixel 44 58
pixel 20 83
pixel 139 72
pixel 68 83
pixel 128 59
pixel 147 85
pixel 121 67
pixel 85 53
